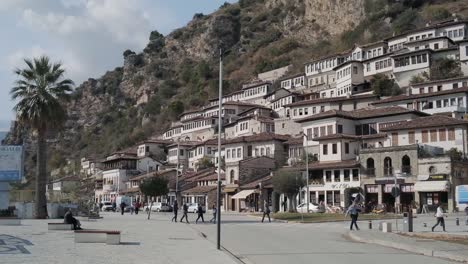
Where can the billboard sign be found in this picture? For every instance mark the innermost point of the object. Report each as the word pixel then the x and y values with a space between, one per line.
pixel 11 163
pixel 462 194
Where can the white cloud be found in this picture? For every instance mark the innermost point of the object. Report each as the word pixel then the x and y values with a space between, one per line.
pixel 16 59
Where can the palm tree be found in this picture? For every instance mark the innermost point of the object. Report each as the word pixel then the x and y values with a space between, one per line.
pixel 39 92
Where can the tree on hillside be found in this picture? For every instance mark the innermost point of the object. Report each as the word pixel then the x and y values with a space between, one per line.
pixel 444 68
pixel 154 187
pixel 39 91
pixel 384 86
pixel 288 183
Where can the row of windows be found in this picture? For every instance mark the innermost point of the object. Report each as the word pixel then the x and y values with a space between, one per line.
pixel 172 132
pixel 380 65
pixel 444 103
pixel 423 36
pixel 255 91
pixel 335 176
pixel 395 47
pixel 198 124
pixel 282 101
pixel 409 60
pixel 296 82
pixel 431 135
pixel 305 111
pixel 345 72
pixel 321 65
pixel 427 46
pixel 454 33
pixel 244 126
pixel 334 148
pixel 236 153
pixel 344 91
pixel 199 151
pixel 322 131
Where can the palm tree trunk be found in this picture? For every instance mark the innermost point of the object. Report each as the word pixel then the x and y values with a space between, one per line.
pixel 41 174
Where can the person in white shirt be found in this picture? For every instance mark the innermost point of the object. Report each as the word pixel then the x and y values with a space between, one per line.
pixel 440 217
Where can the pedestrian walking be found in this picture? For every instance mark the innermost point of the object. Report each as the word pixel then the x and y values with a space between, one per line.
pixel 175 208
pixel 353 211
pixel 114 206
pixel 132 208
pixel 200 214
pixel 440 217
pixel 185 211
pixel 122 207
pixel 137 207
pixel 266 211
pixel 214 215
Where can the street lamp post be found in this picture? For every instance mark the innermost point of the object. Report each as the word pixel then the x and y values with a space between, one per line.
pixel 307 171
pixel 177 172
pixel 218 198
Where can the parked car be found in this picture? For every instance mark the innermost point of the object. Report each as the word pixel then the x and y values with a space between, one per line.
pixel 193 208
pixel 107 207
pixel 158 207
pixel 313 208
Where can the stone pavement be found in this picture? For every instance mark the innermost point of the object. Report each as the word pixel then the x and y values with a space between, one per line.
pixel 143 241
pixel 421 240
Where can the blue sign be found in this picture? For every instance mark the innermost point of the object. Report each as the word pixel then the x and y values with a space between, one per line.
pixel 462 193
pixel 11 163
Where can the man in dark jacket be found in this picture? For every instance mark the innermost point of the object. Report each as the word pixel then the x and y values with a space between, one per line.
pixel 266 212
pixel 69 219
pixel 185 208
pixel 175 207
pixel 200 214
pixel 122 207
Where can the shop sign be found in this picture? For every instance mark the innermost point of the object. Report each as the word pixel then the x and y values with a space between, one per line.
pixel 439 177
pixel 11 163
pixel 388 188
pixel 372 188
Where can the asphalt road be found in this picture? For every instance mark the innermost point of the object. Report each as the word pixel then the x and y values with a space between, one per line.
pixel 258 243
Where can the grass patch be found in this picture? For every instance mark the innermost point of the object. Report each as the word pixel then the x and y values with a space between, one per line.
pixel 318 217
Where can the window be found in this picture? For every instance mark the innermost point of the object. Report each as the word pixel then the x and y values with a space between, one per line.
pixel 355 175
pixel 329 130
pixel 336 176
pixel 325 149
pixel 328 176
pixel 436 46
pixel 425 136
pixel 433 135
pixel 322 131
pixel 421 90
pixel 228 153
pixel 442 134
pixel 455 85
pixel 239 154
pixel 309 133
pixel 439 88
pixel 316 131
pixel 411 139
pixel 231 177
pixel 355 70
pixel 339 129
pixel 346 175
pixel 451 134
pixel 395 139
pixel 346 147
pixel 268 151
pixel 334 148
pixel 438 103
pixel 430 89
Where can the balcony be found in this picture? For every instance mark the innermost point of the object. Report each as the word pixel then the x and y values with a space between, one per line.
pixel 388 171
pixel 109 187
pixel 369 172
pixel 316 182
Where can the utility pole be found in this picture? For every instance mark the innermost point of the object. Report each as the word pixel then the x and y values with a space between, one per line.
pixel 218 198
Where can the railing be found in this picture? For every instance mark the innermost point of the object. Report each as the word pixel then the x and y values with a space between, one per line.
pixel 406 169
pixel 316 182
pixel 369 172
pixel 388 171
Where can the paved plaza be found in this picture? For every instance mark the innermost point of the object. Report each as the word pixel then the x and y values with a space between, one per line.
pixel 244 238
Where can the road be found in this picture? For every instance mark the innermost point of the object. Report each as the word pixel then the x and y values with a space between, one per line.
pixel 258 243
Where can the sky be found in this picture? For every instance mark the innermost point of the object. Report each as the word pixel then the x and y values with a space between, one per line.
pixel 87 36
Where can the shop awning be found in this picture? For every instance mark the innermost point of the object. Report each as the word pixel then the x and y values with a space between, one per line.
pixel 431 186
pixel 243 194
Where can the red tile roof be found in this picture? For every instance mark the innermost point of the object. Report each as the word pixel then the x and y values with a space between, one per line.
pixel 362 113
pixel 258 137
pixel 336 136
pixel 426 122
pixel 201 189
pixel 404 97
pixel 332 99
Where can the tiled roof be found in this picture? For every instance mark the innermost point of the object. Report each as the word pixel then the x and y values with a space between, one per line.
pixel 317 165
pixel 201 189
pixel 253 184
pixel 404 97
pixel 440 81
pixel 372 136
pixel 363 113
pixel 426 122
pixel 435 25
pixel 295 141
pixel 336 136
pixel 258 137
pixel 254 84
pixel 332 99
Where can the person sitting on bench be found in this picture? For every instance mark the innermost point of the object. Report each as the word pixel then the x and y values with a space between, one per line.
pixel 69 219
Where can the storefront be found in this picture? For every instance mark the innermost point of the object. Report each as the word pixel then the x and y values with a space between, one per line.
pixel 432 193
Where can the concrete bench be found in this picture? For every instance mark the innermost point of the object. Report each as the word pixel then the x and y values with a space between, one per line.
pixel 97 236
pixel 9 221
pixel 59 226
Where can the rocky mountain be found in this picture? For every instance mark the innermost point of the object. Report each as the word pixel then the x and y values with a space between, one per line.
pixel 178 72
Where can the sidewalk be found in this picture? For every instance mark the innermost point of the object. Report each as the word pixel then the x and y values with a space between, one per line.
pixel 427 247
pixel 143 241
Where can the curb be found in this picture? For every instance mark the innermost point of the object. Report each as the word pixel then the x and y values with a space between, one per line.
pixel 450 255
